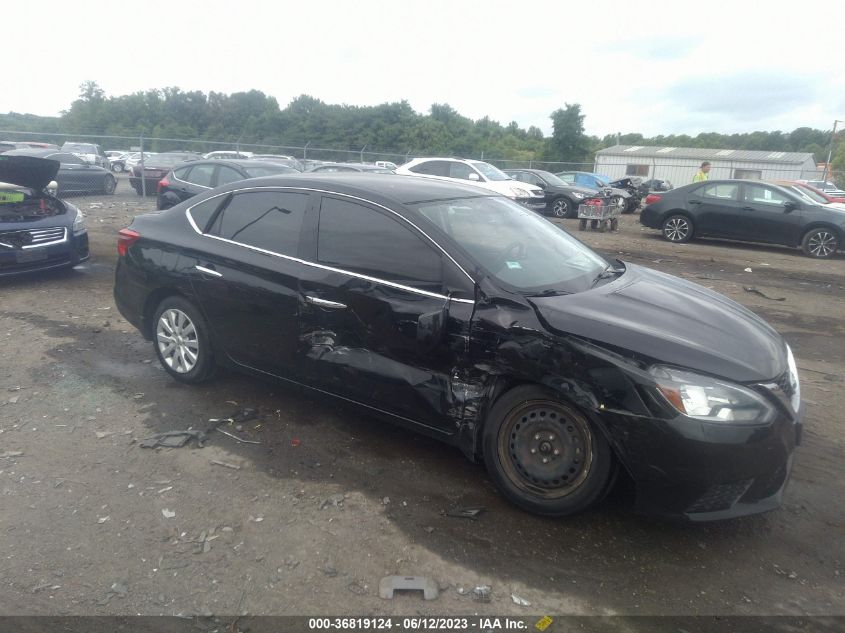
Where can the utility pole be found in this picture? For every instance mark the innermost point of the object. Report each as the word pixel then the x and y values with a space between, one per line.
pixel 830 149
pixel 362 154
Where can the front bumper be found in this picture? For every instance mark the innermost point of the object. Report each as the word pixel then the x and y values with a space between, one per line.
pixel 533 203
pixel 73 251
pixel 705 472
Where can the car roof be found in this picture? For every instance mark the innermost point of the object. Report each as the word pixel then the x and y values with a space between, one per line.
pixel 32 151
pixel 237 162
pixel 375 187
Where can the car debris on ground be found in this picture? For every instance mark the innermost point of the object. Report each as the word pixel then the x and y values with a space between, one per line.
pixel 390 584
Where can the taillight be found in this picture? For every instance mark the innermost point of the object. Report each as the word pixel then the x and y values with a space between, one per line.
pixel 164 182
pixel 652 198
pixel 125 239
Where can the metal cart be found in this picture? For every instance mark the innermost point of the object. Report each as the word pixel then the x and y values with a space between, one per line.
pixel 601 216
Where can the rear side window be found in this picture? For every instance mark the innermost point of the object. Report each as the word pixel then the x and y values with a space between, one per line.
pixel 270 220
pixel 201 213
pixel 181 173
pixel 432 168
pixel 200 175
pixel 722 191
pixel 362 240
pixel 225 175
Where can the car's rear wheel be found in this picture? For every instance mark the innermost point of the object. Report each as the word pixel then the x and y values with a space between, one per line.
pixel 109 184
pixel 182 342
pixel 561 208
pixel 678 228
pixel 820 243
pixel 545 455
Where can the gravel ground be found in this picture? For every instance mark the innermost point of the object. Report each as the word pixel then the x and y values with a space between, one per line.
pixel 331 500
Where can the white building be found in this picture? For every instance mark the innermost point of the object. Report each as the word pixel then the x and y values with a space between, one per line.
pixel 678 165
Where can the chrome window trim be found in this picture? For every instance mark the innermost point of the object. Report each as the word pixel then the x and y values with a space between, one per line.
pixel 392 284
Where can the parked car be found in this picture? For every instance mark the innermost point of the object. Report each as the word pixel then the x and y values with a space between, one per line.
pixel 584 178
pixel 635 188
pixel 117 159
pixel 38 231
pixel 75 175
pixel 280 159
pixel 228 155
pixel 811 191
pixel 134 158
pixel 89 152
pixel 386 164
pixel 6 146
pixel 658 184
pixel 561 198
pixel 827 186
pixel 156 167
pixel 461 315
pixel 749 211
pixel 199 176
pixel 359 167
pixel 478 173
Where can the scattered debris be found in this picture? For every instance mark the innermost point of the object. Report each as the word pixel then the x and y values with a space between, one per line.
pixel 295 442
pixel 119 589
pixel 357 588
pixel 11 454
pixel 175 439
pixel 762 294
pixel 334 500
pixel 385 501
pixel 467 512
pixel 101 434
pixel 429 529
pixel 482 593
pixel 748 270
pixel 389 584
pixel 236 438
pixel 168 514
pixel 256 519
pixel 164 490
pixel 329 570
pixel 290 562
pixel 102 520
pixel 225 464
pixel 522 602
pixel 14 399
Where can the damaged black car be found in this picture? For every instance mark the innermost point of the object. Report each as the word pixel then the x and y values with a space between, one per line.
pixel 467 317
pixel 38 231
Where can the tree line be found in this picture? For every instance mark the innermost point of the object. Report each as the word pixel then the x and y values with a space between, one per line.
pixel 254 118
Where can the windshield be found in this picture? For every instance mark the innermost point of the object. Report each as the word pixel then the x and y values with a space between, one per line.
pixel 269 169
pixel 79 147
pixel 806 192
pixel 489 172
pixel 550 178
pixel 515 245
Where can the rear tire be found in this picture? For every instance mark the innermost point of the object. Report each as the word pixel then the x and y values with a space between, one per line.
pixel 543 454
pixel 182 341
pixel 109 185
pixel 678 228
pixel 820 243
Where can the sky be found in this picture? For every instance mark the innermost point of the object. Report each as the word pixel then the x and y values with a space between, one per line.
pixel 654 67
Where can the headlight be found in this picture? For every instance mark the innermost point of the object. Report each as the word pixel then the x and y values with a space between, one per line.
pixel 520 193
pixel 710 400
pixel 79 225
pixel 578 196
pixel 795 400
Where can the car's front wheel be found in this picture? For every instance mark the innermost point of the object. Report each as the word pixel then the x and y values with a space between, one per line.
pixel 109 185
pixel 182 341
pixel 678 228
pixel 562 208
pixel 820 243
pixel 545 455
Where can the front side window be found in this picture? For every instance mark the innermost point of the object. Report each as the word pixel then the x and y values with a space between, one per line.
pixel 225 175
pixel 461 171
pixel 270 220
pixel 515 245
pixel 362 240
pixel 758 194
pixel 720 191
pixel 489 172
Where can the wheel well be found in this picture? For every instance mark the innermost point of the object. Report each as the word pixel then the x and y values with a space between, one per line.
pixel 156 297
pixel 823 225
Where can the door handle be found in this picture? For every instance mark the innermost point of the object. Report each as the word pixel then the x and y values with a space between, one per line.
pixel 208 271
pixel 324 303
pixel 695 202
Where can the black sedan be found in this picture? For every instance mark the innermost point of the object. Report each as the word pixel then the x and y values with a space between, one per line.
pixel 155 168
pixel 37 230
pixel 562 198
pixel 199 176
pixel 467 317
pixel 74 176
pixel 748 211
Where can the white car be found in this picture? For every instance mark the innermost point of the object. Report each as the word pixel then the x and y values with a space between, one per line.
pixel 386 164
pixel 478 173
pixel 228 155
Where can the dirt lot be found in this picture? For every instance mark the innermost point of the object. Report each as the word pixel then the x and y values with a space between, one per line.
pixel 331 500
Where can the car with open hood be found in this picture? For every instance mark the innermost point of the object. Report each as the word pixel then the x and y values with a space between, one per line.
pixel 75 174
pixel 465 316
pixel 38 231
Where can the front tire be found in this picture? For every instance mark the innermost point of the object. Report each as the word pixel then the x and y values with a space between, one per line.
pixel 182 341
pixel 109 185
pixel 562 208
pixel 820 243
pixel 678 228
pixel 544 455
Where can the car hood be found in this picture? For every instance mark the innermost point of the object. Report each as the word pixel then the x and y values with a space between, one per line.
pixel 671 321
pixel 28 171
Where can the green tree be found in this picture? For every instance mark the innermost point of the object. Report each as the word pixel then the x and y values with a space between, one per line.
pixel 568 142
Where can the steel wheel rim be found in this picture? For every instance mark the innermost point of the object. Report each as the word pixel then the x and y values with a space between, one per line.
pixel 560 208
pixel 545 430
pixel 177 340
pixel 676 229
pixel 822 244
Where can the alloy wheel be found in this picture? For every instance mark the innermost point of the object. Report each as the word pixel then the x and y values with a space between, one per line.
pixel 560 208
pixel 676 229
pixel 821 244
pixel 545 450
pixel 177 340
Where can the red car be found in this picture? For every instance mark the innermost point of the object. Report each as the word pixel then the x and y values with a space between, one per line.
pixel 156 167
pixel 811 189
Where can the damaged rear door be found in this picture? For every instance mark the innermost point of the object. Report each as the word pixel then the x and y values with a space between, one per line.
pixel 384 316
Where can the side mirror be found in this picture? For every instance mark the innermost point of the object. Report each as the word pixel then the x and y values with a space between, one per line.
pixel 474 176
pixel 789 206
pixel 52 188
pixel 541 184
pixel 430 328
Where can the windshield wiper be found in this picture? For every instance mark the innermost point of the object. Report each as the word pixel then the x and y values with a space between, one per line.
pixel 608 272
pixel 550 292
